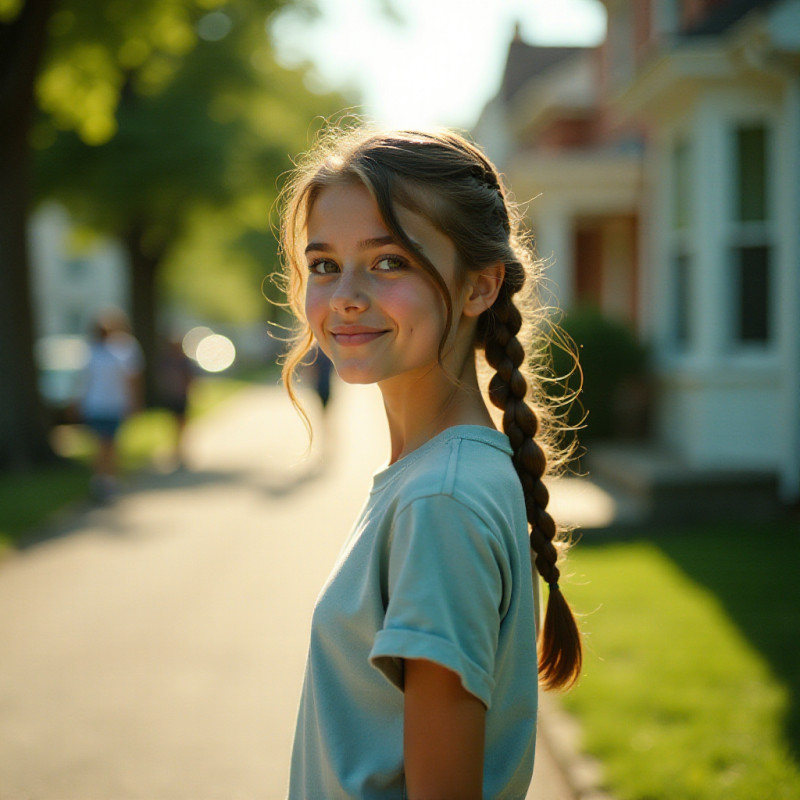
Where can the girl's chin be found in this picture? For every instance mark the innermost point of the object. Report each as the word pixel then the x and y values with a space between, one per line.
pixel 356 375
pixel 357 380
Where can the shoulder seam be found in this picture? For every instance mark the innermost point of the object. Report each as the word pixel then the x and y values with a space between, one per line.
pixel 457 500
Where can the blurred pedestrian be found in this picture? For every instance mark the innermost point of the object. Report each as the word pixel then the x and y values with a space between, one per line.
pixel 320 370
pixel 175 375
pixel 404 255
pixel 111 391
pixel 322 367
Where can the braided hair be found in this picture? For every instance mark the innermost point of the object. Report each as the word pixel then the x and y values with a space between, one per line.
pixel 450 182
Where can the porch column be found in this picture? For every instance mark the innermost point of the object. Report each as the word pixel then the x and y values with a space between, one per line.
pixel 553 228
pixel 707 303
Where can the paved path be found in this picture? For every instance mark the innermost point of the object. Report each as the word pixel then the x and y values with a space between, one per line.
pixel 154 649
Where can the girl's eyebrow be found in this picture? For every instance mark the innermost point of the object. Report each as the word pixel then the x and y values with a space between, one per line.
pixel 366 244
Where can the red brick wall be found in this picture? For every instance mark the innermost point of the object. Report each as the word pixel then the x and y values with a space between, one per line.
pixel 565 133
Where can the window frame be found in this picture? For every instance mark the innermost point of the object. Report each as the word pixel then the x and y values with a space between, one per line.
pixel 739 234
pixel 681 256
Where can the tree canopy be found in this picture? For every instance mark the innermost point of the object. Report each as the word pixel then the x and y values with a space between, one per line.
pixel 209 142
pixel 146 116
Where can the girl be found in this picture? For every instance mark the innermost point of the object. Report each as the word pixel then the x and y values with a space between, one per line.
pixel 404 256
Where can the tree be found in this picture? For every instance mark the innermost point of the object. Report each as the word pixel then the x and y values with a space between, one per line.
pixel 108 70
pixel 23 428
pixel 75 55
pixel 216 136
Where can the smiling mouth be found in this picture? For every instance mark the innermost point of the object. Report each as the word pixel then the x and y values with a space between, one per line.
pixel 353 339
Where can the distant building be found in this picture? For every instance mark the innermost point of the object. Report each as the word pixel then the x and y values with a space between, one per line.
pixel 71 284
pixel 546 130
pixel 669 165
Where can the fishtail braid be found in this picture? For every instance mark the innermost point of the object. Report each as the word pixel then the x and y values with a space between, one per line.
pixel 560 654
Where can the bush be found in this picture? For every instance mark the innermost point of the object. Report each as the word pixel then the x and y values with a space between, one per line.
pixel 614 396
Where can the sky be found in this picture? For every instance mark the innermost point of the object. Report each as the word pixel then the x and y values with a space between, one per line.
pixel 440 63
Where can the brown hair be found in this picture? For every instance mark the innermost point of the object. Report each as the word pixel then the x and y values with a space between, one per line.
pixel 454 186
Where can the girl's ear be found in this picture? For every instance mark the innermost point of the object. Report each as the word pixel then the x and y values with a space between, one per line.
pixel 482 288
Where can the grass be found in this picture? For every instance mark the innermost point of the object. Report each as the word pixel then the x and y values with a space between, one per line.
pixel 27 499
pixel 692 677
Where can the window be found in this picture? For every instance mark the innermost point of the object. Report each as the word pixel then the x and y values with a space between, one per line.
pixel 751 280
pixel 680 255
pixel 74 321
pixel 751 173
pixel 680 300
pixel 681 183
pixel 77 269
pixel 750 236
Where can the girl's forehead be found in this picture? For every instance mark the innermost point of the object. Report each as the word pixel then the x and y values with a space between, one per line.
pixel 344 214
pixel 341 209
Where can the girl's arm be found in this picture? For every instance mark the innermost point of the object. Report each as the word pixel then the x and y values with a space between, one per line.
pixel 443 736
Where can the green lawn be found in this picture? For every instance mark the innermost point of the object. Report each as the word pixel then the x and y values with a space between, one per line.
pixel 29 498
pixel 26 499
pixel 691 686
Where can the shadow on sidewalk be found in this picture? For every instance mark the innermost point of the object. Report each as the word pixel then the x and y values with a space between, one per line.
pixel 76 517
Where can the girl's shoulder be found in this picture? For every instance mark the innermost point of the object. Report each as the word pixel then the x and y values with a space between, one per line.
pixel 468 463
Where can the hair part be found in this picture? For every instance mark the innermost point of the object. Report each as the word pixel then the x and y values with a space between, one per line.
pixel 452 184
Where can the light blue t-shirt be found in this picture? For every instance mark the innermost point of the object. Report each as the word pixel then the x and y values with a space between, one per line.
pixel 437 567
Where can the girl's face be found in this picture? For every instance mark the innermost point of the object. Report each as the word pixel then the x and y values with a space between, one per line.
pixel 374 311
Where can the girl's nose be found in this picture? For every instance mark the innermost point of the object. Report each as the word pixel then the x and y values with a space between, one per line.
pixel 350 293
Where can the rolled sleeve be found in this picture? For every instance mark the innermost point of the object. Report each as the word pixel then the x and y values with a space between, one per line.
pixel 447 578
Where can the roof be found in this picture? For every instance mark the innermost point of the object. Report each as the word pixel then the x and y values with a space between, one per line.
pixel 526 61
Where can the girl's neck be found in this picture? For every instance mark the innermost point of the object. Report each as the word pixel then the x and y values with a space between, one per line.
pixel 420 410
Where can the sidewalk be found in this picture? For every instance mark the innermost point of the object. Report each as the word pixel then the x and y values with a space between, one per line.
pixel 154 649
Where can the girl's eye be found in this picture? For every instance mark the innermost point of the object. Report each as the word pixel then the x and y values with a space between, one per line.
pixel 390 263
pixel 323 266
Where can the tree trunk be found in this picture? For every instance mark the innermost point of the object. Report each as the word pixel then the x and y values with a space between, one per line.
pixel 23 427
pixel 144 304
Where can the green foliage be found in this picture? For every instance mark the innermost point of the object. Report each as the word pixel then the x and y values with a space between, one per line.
pixel 148 109
pixel 27 498
pixel 201 135
pixel 209 276
pixel 613 365
pixel 9 9
pixel 96 45
pixel 691 680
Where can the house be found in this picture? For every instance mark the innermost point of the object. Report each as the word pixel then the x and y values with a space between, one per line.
pixel 668 160
pixel 545 130
pixel 71 284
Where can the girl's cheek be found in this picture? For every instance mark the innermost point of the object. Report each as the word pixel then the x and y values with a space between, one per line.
pixel 315 309
pixel 418 301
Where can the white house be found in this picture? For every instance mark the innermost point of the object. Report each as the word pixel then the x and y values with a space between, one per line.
pixel 718 86
pixel 71 282
pixel 545 131
pixel 668 167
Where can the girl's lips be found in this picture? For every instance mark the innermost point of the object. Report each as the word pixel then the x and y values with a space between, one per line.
pixel 356 338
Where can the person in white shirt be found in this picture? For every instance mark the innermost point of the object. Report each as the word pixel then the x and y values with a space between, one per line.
pixel 112 390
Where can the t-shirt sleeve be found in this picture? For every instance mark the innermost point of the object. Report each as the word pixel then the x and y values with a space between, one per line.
pixel 448 575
